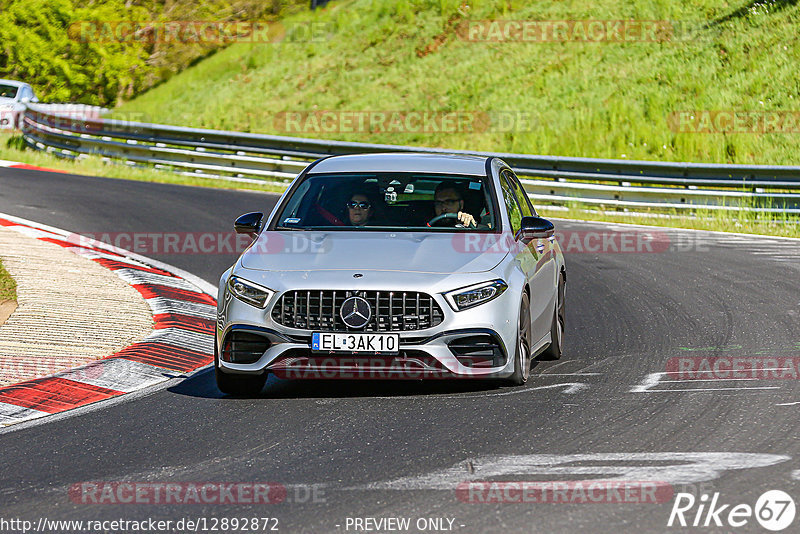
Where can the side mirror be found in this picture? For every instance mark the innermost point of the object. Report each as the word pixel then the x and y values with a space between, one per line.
pixel 249 223
pixel 25 100
pixel 536 228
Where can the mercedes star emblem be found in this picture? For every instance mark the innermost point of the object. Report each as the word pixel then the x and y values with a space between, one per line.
pixel 355 312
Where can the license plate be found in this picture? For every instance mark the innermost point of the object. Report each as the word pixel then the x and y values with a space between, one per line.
pixel 355 342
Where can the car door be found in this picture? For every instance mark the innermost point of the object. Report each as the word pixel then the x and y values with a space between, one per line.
pixel 541 269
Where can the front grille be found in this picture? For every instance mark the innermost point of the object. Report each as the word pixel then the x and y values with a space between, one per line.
pixel 392 311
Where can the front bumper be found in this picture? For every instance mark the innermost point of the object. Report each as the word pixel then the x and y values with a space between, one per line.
pixel 466 353
pixel 476 343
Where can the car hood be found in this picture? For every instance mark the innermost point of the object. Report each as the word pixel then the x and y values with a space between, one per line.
pixel 417 252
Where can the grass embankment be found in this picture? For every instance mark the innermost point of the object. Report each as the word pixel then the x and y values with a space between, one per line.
pixel 8 288
pixel 593 99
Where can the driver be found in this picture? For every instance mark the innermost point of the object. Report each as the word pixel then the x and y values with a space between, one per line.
pixel 447 198
pixel 359 209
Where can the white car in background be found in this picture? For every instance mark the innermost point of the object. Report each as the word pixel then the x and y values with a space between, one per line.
pixel 13 97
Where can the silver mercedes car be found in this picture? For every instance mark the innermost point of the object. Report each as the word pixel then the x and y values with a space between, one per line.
pixel 406 266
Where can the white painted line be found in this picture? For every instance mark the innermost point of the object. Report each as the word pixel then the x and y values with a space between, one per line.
pixel 689 390
pixel 744 238
pixel 796 474
pixel 788 404
pixel 33 232
pixel 674 468
pixel 186 339
pixel 651 380
pixel 689 381
pixel 27 222
pixel 161 305
pixel 654 379
pixel 572 387
pixel 11 413
pixel 118 374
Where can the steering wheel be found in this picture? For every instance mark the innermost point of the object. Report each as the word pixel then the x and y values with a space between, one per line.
pixel 446 219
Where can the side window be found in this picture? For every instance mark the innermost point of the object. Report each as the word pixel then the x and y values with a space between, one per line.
pixel 293 205
pixel 519 192
pixel 514 214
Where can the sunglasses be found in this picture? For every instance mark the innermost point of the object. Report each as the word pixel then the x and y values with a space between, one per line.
pixel 363 205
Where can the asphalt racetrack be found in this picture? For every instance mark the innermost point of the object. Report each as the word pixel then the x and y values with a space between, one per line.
pixel 349 450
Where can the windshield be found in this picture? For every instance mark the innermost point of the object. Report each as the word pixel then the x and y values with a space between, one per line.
pixel 8 91
pixel 391 202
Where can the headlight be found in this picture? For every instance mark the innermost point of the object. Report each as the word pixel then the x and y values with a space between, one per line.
pixel 468 297
pixel 249 292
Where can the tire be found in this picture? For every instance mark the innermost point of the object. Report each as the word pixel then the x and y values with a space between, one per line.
pixel 522 354
pixel 556 347
pixel 239 385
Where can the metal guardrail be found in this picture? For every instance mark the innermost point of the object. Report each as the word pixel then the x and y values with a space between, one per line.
pixel 277 159
pixel 10 118
pixel 78 111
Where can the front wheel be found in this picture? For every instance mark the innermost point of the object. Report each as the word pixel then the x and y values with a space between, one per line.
pixel 522 357
pixel 556 347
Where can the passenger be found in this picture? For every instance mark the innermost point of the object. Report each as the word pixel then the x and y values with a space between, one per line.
pixel 447 198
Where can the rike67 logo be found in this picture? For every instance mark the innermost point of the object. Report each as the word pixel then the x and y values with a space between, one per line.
pixel 774 510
